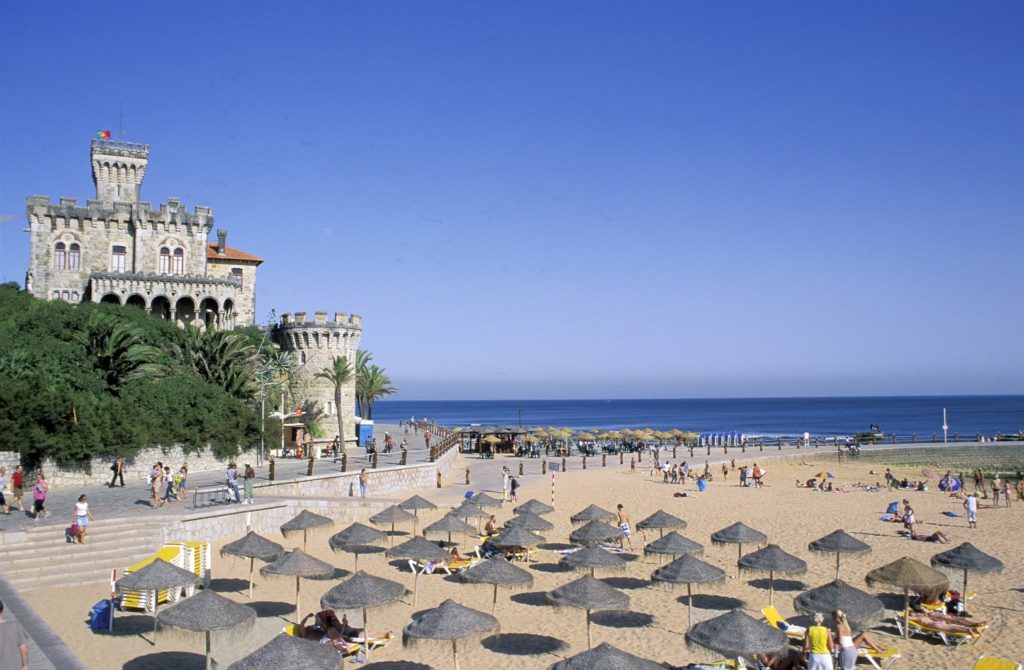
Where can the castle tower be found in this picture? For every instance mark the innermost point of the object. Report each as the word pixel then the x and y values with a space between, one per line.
pixel 118 169
pixel 315 344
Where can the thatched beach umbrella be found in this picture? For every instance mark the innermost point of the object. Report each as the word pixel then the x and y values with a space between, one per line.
pixel 357 539
pixel 968 558
pixel 156 576
pixel 908 574
pixel 861 608
pixel 533 506
pixel 688 570
pixel 253 546
pixel 363 592
pixel 514 537
pixel 662 521
pixel 467 511
pixel 449 524
pixel 605 657
pixel 674 544
pixel 773 559
pixel 418 549
pixel 594 532
pixel 449 621
pixel 392 515
pixel 736 634
pixel 592 513
pixel 304 522
pixel 285 652
pixel 839 542
pixel 588 594
pixel 499 572
pixel 414 505
pixel 592 558
pixel 739 534
pixel 205 612
pixel 530 522
pixel 297 563
pixel 483 500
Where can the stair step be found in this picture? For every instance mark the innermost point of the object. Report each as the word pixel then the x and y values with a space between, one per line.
pixel 76 555
pixel 78 576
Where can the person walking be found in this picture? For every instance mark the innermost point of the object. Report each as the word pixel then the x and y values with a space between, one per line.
pixel 182 480
pixel 364 483
pixel 80 519
pixel 39 491
pixel 818 645
pixel 909 519
pixel 997 487
pixel 13 643
pixel 118 469
pixel 248 477
pixel 624 527
pixel 3 484
pixel 170 490
pixel 232 481
pixel 971 505
pixel 513 489
pixel 17 487
pixel 156 475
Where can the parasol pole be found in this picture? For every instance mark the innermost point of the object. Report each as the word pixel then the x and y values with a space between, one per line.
pixel 455 653
pixel 298 611
pixel 356 559
pixel 906 613
pixel 590 644
pixel 415 581
pixel 963 596
pixel 252 561
pixel 156 608
pixel 392 534
pixel 366 637
pixel 494 603
pixel 208 666
pixel 689 606
pixel 771 587
pixel 739 555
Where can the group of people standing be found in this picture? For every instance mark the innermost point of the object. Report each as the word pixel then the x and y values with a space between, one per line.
pixel 163 486
pixel 39 491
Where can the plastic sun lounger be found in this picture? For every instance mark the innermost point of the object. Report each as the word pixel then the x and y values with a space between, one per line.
pixel 773 617
pixel 880 660
pixel 948 638
pixel 148 600
pixel 350 647
pixel 941 605
pixel 993 663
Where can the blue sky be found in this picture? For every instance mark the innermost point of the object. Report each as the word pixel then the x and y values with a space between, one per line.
pixel 589 199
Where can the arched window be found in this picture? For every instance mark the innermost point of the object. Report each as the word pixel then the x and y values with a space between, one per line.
pixel 74 257
pixel 118 258
pixel 179 261
pixel 59 256
pixel 165 260
pixel 236 274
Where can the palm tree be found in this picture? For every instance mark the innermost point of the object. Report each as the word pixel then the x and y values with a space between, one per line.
pixel 117 350
pixel 221 357
pixel 376 384
pixel 339 373
pixel 363 358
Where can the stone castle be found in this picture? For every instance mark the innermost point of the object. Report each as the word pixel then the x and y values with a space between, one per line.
pixel 118 249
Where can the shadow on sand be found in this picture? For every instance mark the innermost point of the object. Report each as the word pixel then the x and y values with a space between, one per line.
pixel 522 644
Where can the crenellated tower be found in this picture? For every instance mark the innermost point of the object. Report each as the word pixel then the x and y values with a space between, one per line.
pixel 314 344
pixel 118 169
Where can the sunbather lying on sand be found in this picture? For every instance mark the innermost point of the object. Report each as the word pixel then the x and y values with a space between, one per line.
pixel 326 629
pixel 948 623
pixel 937 536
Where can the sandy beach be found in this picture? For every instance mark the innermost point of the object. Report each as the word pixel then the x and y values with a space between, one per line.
pixel 534 634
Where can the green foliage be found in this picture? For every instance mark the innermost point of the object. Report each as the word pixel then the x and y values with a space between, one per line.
pixel 371 383
pixel 79 381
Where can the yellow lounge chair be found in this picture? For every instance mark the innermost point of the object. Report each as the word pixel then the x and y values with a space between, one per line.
pixel 993 663
pixel 950 639
pixel 350 648
pixel 148 600
pixel 772 616
pixel 881 660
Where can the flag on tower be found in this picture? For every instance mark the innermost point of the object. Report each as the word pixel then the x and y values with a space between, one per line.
pixel 103 134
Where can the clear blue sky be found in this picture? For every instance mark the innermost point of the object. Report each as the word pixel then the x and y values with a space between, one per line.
pixel 587 199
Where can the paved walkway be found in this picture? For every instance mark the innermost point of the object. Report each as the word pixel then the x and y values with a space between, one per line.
pixel 46 651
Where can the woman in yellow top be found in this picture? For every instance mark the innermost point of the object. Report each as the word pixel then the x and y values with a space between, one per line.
pixel 818 645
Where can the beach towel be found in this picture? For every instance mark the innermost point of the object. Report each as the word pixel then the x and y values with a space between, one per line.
pixel 886 517
pixel 952 515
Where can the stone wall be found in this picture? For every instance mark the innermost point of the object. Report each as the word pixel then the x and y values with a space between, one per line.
pixel 97 471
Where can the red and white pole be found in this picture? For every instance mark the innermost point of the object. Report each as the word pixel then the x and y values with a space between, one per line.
pixel 113 595
pixel 552 489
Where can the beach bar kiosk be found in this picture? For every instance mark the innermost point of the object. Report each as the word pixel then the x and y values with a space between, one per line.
pixel 364 432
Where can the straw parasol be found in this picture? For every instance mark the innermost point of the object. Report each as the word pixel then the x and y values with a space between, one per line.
pixel 592 558
pixel 205 612
pixel 156 576
pixel 285 652
pixel 499 572
pixel 908 574
pixel 418 549
pixel 483 500
pixel 414 505
pixel 253 546
pixel 362 592
pixel 514 537
pixel 467 511
pixel 594 532
pixel 449 524
pixel 605 657
pixel 592 513
pixel 968 558
pixel 839 542
pixel 297 563
pixel 449 621
pixel 674 544
pixel 534 506
pixel 773 559
pixel 588 594
pixel 735 634
pixel 688 570
pixel 739 534
pixel 860 607
pixel 530 522
pixel 305 521
pixel 357 539
pixel 662 521
pixel 392 515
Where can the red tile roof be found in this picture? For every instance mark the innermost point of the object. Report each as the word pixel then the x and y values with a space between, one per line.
pixel 230 254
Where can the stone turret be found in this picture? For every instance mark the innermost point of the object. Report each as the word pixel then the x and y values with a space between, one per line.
pixel 315 343
pixel 118 169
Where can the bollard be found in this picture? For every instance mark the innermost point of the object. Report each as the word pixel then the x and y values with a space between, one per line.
pixel 760 446
pixel 374 461
pixel 544 467
pixel 270 475
pixel 309 467
pixel 344 462
pixel 563 463
pixel 604 460
pixel 743 447
pixel 520 468
pixel 433 454
pixel 673 453
pixel 956 437
pixel 620 458
pixel 405 457
pixel 467 476
pixel 691 451
pixel 438 479
pixel 584 462
pixel 933 438
pixel 725 449
pixel 709 450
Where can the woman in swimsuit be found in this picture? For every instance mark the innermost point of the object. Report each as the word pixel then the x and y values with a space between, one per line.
pixel 848 644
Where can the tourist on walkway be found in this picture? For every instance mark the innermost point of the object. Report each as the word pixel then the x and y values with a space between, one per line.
pixel 39 491
pixel 118 469
pixel 171 489
pixel 80 519
pixel 248 476
pixel 232 481
pixel 13 643
pixel 3 483
pixel 364 483
pixel 156 476
pixel 182 479
pixel 17 488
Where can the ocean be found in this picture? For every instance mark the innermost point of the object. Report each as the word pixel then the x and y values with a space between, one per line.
pixel 764 417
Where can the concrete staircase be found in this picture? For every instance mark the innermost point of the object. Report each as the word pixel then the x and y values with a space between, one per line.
pixel 45 558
